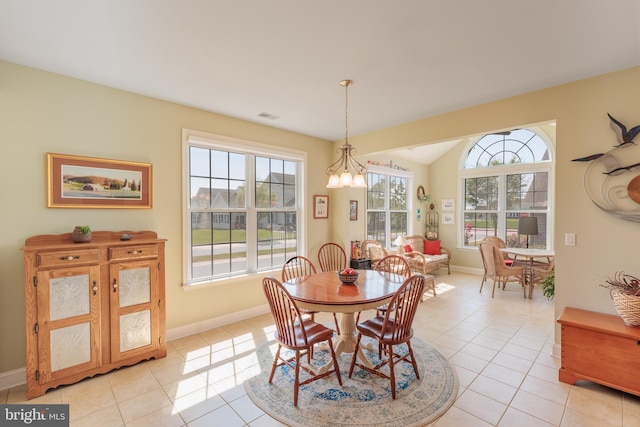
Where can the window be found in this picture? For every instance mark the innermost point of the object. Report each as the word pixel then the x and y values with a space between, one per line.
pixel 242 207
pixel 387 205
pixel 506 176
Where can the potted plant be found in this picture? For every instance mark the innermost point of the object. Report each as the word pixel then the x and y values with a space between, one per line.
pixel 625 292
pixel 549 285
pixel 81 234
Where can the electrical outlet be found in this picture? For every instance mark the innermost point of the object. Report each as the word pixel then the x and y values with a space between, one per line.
pixel 569 239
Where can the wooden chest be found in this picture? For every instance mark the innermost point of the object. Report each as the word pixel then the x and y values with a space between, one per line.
pixel 600 348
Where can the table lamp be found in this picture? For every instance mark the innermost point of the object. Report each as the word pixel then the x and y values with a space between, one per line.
pixel 400 241
pixel 528 225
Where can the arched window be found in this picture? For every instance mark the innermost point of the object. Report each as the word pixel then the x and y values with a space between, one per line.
pixel 506 176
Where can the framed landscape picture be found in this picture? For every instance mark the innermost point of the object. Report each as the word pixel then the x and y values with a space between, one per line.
pixel 90 182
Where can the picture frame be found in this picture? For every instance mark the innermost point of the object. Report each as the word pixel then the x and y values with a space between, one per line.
pixel 448 204
pixel 320 206
pixel 92 182
pixel 353 210
pixel 448 219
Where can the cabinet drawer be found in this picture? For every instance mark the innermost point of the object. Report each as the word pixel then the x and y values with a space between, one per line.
pixel 60 258
pixel 132 252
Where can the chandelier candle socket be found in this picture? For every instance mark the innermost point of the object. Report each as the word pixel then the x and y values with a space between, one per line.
pixel 346 162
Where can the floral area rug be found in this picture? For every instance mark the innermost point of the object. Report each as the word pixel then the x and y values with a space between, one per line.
pixel 362 400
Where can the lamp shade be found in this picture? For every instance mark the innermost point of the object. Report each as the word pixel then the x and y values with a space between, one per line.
pixel 400 241
pixel 528 225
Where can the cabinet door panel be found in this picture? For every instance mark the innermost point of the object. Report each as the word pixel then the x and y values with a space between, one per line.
pixel 134 308
pixel 135 330
pixel 68 326
pixel 135 286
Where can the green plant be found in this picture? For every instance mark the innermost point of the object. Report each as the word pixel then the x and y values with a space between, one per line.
pixel 549 285
pixel 83 229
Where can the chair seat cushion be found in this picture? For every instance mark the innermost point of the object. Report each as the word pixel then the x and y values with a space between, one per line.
pixel 315 333
pixel 435 258
pixel 373 328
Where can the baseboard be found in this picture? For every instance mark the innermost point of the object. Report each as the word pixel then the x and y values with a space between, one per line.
pixel 13 378
pixel 216 322
pixel 557 351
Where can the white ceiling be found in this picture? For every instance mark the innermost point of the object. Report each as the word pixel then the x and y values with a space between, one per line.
pixel 410 59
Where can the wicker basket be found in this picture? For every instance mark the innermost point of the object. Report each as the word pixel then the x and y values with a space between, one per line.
pixel 348 278
pixel 628 306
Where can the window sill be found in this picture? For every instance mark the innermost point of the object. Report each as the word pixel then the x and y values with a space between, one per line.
pixel 225 281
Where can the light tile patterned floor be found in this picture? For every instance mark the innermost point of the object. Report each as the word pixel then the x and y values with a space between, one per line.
pixel 501 349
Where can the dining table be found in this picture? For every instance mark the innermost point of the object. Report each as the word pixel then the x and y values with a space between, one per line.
pixel 529 255
pixel 325 292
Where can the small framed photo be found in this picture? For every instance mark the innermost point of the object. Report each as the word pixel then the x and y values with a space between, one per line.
pixel 353 210
pixel 90 182
pixel 321 206
pixel 448 204
pixel 448 219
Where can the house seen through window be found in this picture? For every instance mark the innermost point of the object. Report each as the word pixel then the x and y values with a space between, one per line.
pixel 243 208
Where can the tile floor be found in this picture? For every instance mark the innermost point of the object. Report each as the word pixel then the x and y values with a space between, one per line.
pixel 501 349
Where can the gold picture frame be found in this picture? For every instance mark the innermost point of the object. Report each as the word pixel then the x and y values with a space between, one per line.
pixel 91 182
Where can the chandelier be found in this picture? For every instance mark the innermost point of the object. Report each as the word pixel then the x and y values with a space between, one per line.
pixel 346 162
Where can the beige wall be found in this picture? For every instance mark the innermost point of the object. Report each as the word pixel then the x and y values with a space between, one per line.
pixel 42 112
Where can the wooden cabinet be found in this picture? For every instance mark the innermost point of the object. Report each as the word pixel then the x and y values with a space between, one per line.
pixel 91 307
pixel 600 348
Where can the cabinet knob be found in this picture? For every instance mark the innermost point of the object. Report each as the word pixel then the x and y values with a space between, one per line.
pixel 95 288
pixel 115 285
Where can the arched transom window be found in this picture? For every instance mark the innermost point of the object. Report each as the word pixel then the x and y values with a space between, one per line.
pixel 504 177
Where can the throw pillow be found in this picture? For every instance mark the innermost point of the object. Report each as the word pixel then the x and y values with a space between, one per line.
pixel 408 248
pixel 432 247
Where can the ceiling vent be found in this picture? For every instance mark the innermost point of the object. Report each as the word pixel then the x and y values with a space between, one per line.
pixel 268 116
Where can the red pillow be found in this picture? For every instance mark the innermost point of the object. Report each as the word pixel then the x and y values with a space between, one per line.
pixel 432 247
pixel 408 248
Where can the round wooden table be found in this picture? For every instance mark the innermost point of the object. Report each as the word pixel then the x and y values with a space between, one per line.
pixel 325 292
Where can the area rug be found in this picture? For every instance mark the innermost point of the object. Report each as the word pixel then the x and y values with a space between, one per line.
pixel 364 399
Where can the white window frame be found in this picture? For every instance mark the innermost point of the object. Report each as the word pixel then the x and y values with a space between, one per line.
pixel 389 172
pixel 251 150
pixel 501 171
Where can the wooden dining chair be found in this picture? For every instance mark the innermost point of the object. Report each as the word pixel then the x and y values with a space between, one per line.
pixel 297 334
pixel 392 329
pixel 332 257
pixel 392 264
pixel 299 266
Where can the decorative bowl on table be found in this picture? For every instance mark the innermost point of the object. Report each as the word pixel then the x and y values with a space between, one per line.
pixel 348 275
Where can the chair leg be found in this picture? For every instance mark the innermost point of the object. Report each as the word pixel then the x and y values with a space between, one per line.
pixel 392 375
pixel 275 363
pixel 413 360
pixel 335 362
pixel 296 383
pixel 355 355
